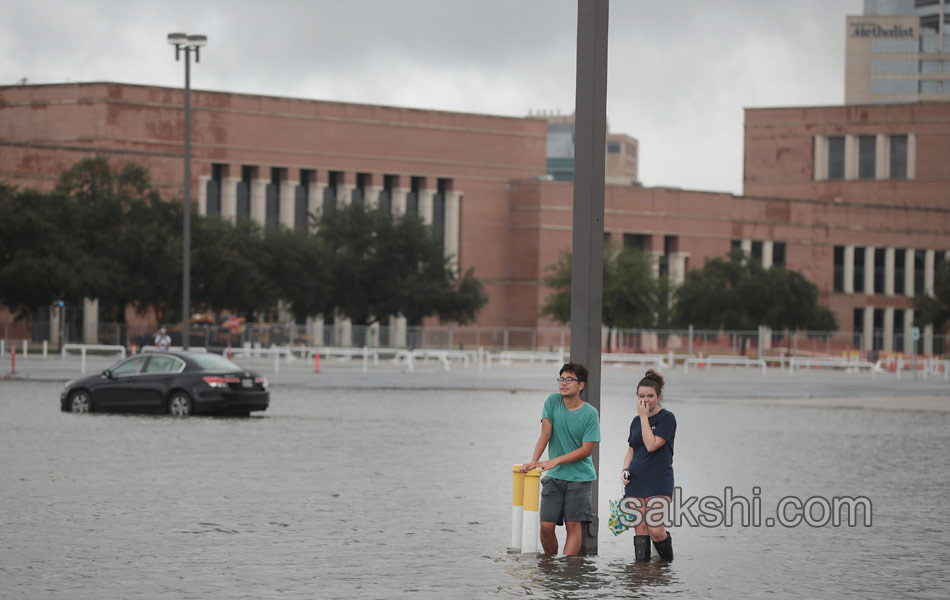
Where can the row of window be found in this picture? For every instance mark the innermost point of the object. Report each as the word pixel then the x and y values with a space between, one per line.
pixel 867 156
pixel 907 66
pixel 756 251
pixel 928 43
pixel 879 262
pixel 330 195
pixel 897 333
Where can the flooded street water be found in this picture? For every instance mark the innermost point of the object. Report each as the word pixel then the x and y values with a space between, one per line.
pixel 363 493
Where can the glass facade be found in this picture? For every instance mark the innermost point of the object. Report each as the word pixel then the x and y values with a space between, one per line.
pixel 894 66
pixel 836 157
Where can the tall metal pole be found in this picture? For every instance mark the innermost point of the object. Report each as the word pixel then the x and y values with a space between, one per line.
pixel 587 275
pixel 186 234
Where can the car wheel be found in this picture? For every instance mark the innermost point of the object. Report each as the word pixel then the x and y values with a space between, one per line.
pixel 179 405
pixel 80 402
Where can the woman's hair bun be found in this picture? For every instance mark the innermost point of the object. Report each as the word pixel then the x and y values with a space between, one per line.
pixel 653 379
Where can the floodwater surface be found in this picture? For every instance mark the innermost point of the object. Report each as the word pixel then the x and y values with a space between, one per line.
pixel 406 494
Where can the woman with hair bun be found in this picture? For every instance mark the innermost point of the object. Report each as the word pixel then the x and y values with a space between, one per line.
pixel 648 466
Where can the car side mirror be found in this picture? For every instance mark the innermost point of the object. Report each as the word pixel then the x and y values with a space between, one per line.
pixel 107 373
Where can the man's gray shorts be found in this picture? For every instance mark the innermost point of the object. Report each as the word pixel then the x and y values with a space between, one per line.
pixel 565 500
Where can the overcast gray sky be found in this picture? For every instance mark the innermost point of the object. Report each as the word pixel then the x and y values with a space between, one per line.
pixel 679 71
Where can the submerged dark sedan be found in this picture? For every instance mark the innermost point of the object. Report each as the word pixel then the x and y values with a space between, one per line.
pixel 178 383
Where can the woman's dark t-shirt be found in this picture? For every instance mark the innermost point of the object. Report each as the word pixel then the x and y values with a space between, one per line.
pixel 651 473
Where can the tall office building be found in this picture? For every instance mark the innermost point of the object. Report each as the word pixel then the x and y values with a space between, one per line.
pixel 897 51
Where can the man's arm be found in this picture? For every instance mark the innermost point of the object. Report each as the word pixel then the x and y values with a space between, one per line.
pixel 573 456
pixel 543 440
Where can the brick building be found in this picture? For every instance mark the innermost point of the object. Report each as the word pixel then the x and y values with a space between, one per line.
pixel 855 197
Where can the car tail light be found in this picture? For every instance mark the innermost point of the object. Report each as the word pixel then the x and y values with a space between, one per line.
pixel 262 381
pixel 220 382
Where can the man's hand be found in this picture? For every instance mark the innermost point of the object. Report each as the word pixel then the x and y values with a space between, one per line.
pixel 528 466
pixel 544 465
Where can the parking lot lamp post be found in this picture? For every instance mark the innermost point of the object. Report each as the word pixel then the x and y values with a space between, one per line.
pixel 187 44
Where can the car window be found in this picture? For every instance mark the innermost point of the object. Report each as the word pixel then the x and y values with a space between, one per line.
pixel 162 364
pixel 214 362
pixel 133 365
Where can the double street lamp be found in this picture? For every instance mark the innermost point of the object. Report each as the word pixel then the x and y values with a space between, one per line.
pixel 187 44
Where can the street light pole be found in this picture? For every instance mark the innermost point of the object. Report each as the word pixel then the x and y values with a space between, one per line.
pixel 187 43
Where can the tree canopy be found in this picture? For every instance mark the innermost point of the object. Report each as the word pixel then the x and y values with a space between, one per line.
pixel 105 233
pixel 935 310
pixel 738 293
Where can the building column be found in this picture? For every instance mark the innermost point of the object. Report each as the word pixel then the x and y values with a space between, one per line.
pixel 882 157
pixel 889 329
pixel 655 263
pixel 929 272
pixel 453 209
pixel 867 341
pixel 677 267
pixel 767 254
pixel 397 331
pixel 908 331
pixel 371 198
pixel 849 269
pixel 259 201
pixel 229 197
pixel 909 272
pixel 850 157
pixel 869 270
pixel 315 331
pixel 889 271
pixel 426 205
pixel 203 194
pixel 55 325
pixel 399 201
pixel 315 198
pixel 821 158
pixel 928 335
pixel 746 246
pixel 344 194
pixel 288 200
pixel 90 320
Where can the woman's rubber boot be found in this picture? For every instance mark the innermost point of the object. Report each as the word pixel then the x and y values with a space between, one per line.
pixel 665 548
pixel 641 547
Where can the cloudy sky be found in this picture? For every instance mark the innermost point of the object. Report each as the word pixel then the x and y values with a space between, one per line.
pixel 680 72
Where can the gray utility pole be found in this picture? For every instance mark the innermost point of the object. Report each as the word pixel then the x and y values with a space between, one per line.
pixel 188 44
pixel 587 265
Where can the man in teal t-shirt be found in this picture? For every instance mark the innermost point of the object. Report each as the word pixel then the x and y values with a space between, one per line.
pixel 569 429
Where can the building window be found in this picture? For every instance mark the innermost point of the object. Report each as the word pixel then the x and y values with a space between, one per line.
pixel 244 193
pixel 857 326
pixel 839 269
pixel 614 147
pixel 931 22
pixel 893 86
pixel 778 255
pixel 893 66
pixel 757 251
pixel 898 330
pixel 412 198
pixel 898 157
pixel 213 204
pixel 636 241
pixel 836 157
pixel 302 200
pixel 879 255
pixel 929 87
pixel 929 42
pixel 931 66
pixel 920 257
pixel 438 210
pixel 891 46
pixel 272 216
pixel 858 281
pixel 386 196
pixel 867 146
pixel 329 192
pixel 877 333
pixel 900 270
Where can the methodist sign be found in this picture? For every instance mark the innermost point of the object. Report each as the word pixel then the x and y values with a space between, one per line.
pixel 876 30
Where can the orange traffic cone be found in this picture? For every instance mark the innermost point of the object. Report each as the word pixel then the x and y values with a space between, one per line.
pixel 316 362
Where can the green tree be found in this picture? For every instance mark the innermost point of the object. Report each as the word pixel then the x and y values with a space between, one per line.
pixel 738 293
pixel 632 296
pixel 935 310
pixel 383 266
pixel 226 267
pixel 298 268
pixel 41 257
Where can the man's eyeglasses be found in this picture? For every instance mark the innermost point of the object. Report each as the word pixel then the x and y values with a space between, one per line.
pixel 567 379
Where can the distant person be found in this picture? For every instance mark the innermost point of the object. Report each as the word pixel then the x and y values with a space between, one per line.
pixel 162 340
pixel 569 429
pixel 647 470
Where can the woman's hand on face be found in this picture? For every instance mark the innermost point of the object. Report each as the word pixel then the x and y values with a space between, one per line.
pixel 642 408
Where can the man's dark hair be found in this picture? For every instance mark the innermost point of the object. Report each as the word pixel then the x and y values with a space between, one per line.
pixel 577 369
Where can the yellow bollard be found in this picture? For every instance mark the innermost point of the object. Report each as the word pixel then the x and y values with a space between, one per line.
pixel 517 506
pixel 531 525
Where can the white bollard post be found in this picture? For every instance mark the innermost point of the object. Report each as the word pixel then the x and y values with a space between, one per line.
pixel 517 506
pixel 276 359
pixel 26 349
pixel 531 527
pixel 3 349
pixel 481 359
pixel 45 348
pixel 365 358
pixel 83 371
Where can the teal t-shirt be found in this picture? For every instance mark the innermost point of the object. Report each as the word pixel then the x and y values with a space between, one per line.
pixel 570 429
